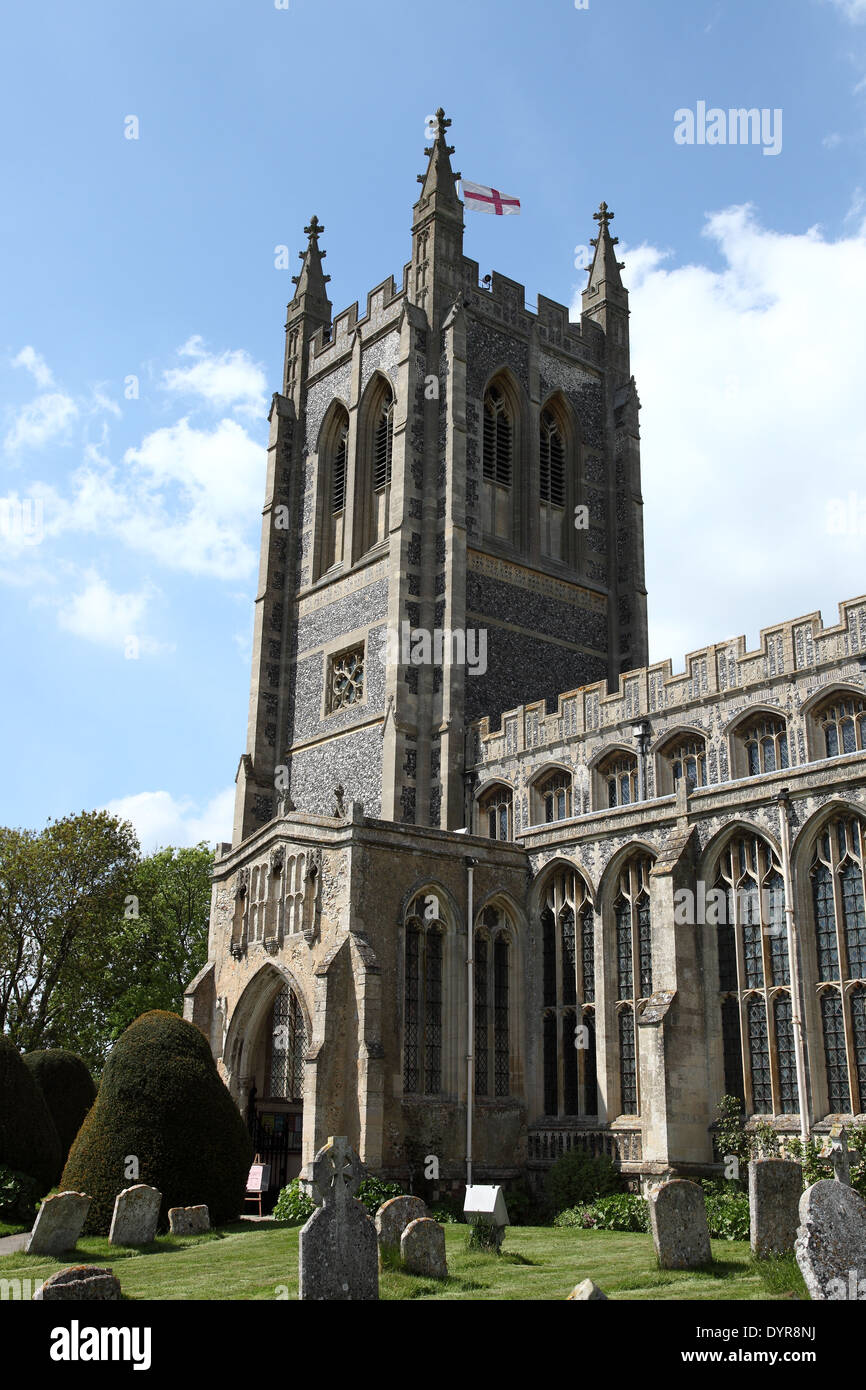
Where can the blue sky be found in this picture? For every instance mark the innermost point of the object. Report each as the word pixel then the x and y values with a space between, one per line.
pixel 154 259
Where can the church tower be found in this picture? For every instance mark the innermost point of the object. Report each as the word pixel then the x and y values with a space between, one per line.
pixel 452 523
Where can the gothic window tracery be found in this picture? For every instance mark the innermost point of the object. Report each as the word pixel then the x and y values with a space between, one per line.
pixel 288 1047
pixel 423 984
pixel 345 679
pixel 842 725
pixel 491 973
pixel 839 911
pixel 754 977
pixel 765 745
pixel 568 997
pixel 554 796
pixel 495 811
pixel 618 778
pixel 632 921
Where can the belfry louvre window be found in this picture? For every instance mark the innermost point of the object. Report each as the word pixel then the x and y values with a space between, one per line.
pixel 568 997
pixel 843 725
pixel 552 461
pixel 497 463
pixel 839 908
pixel 338 474
pixel 492 952
pixel 383 445
pixel 633 927
pixel 288 1045
pixel 766 745
pixel 551 484
pixel 345 679
pixel 748 915
pixel 423 997
pixel 334 467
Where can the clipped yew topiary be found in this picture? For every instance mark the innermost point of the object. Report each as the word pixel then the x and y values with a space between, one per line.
pixel 29 1142
pixel 161 1101
pixel 68 1089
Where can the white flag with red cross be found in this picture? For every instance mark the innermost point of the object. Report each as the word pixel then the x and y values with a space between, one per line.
pixel 478 198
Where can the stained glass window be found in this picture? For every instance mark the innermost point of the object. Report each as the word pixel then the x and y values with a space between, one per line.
pixel 422 997
pixel 288 1047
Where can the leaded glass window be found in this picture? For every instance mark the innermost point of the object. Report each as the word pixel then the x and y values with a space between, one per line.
pixel 554 793
pixel 633 928
pixel 491 973
pixel 495 812
pixel 618 775
pixel 627 1062
pixel 752 949
pixel 567 923
pixel 765 742
pixel 423 997
pixel 288 1047
pixel 688 759
pixel 840 942
pixel 842 722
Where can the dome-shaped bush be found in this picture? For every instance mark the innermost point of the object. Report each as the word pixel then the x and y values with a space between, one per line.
pixel 161 1101
pixel 28 1138
pixel 68 1089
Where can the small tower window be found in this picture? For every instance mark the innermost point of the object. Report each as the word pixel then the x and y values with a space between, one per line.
pixel 551 484
pixel 345 679
pixel 497 464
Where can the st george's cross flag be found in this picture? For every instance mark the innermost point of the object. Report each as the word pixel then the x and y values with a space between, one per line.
pixel 481 199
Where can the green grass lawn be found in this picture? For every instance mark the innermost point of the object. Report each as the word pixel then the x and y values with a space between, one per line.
pixel 248 1260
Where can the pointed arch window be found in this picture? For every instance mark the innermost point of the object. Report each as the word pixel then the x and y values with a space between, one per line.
pixel 842 725
pixel 497 463
pixel 568 997
pixel 491 974
pixel 423 982
pixel 551 484
pixel 632 921
pixel 618 779
pixel 495 812
pixel 684 756
pixel 764 743
pixel 375 482
pixel 288 1047
pixel 748 913
pixel 334 472
pixel 839 910
pixel 554 797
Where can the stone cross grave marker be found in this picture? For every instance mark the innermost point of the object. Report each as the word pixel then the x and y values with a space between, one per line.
pixel 338 1253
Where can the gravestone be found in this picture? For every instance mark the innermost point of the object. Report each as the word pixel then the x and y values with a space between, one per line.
pixel 394 1216
pixel 775 1189
pixel 831 1241
pixel 338 1252
pixel 422 1248
pixel 58 1224
pixel 188 1221
pixel 835 1147
pixel 80 1282
pixel 678 1221
pixel 136 1213
pixel 585 1291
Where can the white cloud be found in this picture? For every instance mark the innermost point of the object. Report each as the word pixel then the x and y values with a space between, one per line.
pixel 855 10
pixel 110 619
pixel 832 141
pixel 35 363
pixel 160 819
pixel 751 381
pixel 45 418
pixel 230 380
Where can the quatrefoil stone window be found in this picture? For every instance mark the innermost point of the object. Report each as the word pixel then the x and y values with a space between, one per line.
pixel 346 679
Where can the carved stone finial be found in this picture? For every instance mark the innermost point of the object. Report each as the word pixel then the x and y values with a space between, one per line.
pixel 314 231
pixel 339 802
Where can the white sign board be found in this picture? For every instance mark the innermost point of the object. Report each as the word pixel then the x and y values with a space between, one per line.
pixel 486 1204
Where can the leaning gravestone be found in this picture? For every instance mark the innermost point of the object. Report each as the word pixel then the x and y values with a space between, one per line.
pixel 394 1216
pixel 422 1248
pixel 831 1241
pixel 338 1253
pixel 80 1282
pixel 136 1212
pixel 775 1189
pixel 59 1223
pixel 678 1221
pixel 188 1221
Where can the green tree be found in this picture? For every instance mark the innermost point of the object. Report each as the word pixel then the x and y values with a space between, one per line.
pixel 158 951
pixel 62 892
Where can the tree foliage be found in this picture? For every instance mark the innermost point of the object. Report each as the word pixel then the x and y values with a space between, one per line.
pixel 28 1137
pixel 162 1102
pixel 66 1084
